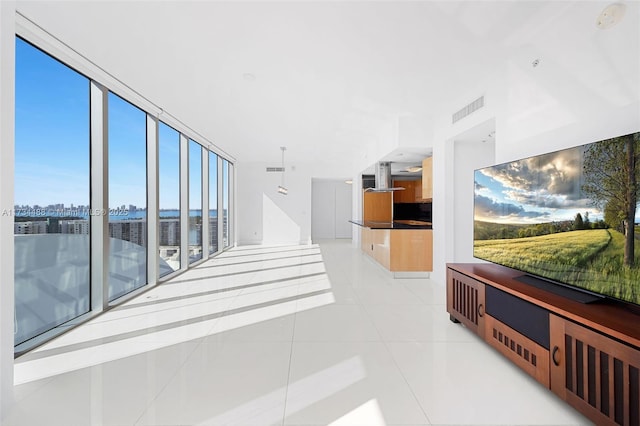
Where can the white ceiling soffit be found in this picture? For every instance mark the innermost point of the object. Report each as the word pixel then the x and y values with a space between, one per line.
pixel 325 79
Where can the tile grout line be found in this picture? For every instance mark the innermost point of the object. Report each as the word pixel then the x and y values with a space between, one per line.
pixel 293 333
pixel 200 341
pixel 384 342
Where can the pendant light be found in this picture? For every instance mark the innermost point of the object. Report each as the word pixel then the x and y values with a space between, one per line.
pixel 281 188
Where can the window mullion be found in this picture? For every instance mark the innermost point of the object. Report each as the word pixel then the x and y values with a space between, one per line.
pixel 99 198
pixel 153 228
pixel 184 202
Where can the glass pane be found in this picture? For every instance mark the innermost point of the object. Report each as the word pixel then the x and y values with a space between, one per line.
pixel 127 197
pixel 169 201
pixel 52 284
pixel 213 203
pixel 225 202
pixel 195 201
pixel 230 205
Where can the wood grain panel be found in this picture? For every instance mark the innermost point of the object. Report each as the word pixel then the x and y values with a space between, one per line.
pixel 366 240
pixel 411 250
pixel 466 301
pixel 594 373
pixel 525 353
pixel 381 246
pixel 377 206
pixel 427 178
pixel 617 320
pixel 594 356
pixel 412 192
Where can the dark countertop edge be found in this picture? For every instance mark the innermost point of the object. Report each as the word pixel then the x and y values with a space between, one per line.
pixel 388 225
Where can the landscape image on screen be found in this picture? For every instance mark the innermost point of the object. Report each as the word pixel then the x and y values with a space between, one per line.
pixel 570 216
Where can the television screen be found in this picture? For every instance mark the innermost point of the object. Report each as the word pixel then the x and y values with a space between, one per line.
pixel 569 216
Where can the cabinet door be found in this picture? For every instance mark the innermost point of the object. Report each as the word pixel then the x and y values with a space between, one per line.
pixel 366 240
pixel 427 178
pixel 595 374
pixel 522 351
pixel 377 206
pixel 465 300
pixel 405 195
pixel 381 246
pixel 417 192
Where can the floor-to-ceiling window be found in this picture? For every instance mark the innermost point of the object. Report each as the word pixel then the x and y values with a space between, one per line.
pixel 59 267
pixel 127 197
pixel 52 284
pixel 195 201
pixel 213 203
pixel 225 203
pixel 169 198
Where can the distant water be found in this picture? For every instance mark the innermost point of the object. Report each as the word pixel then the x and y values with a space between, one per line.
pixel 141 214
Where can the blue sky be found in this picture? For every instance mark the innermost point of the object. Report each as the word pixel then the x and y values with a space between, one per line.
pixel 539 189
pixel 52 141
pixel 52 131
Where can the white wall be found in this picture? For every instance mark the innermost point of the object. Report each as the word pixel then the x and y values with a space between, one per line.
pixel 264 215
pixel 597 122
pixel 449 209
pixel 330 209
pixel 566 101
pixel 468 156
pixel 7 55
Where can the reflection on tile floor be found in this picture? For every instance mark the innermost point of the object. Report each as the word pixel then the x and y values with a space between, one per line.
pixel 283 335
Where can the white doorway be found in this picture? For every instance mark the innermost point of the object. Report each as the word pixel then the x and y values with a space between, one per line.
pixel 330 209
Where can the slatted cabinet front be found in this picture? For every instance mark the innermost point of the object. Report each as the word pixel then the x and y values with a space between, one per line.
pixel 465 301
pixel 597 375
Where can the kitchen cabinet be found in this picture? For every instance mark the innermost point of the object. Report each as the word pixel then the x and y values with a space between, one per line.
pixel 412 192
pixel 399 250
pixel 427 178
pixel 377 206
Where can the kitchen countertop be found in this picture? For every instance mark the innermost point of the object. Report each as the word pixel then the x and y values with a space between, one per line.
pixel 396 224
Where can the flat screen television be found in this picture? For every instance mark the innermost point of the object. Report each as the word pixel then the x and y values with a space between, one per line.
pixel 568 218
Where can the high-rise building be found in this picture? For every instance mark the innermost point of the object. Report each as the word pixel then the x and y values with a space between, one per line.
pixel 134 231
pixel 31 227
pixel 76 226
pixel 169 232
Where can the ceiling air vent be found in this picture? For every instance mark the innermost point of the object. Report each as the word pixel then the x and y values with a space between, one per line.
pixel 275 169
pixel 473 106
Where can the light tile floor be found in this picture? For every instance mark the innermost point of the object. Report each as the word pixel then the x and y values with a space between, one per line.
pixel 288 335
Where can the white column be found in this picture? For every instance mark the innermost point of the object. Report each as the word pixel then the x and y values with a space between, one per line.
pixel 7 298
pixel 184 202
pixel 153 227
pixel 99 198
pixel 356 211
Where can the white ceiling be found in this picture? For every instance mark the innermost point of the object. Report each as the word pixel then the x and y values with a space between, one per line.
pixel 331 78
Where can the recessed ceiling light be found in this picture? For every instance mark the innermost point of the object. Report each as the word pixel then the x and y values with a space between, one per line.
pixel 610 16
pixel 413 169
pixel 248 76
pixel 348 181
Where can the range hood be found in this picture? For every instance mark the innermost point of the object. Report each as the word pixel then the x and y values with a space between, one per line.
pixel 383 178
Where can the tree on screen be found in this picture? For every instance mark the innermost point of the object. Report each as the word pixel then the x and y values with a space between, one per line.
pixel 611 178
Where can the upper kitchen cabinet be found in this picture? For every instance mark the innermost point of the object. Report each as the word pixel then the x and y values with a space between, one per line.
pixel 427 178
pixel 407 195
pixel 412 192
